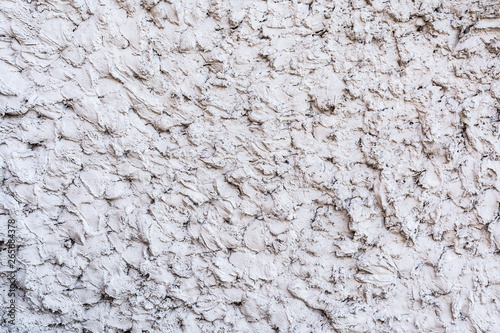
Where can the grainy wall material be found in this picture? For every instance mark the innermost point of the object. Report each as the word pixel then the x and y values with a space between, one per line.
pixel 252 166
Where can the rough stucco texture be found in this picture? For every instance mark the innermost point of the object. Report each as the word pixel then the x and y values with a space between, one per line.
pixel 252 166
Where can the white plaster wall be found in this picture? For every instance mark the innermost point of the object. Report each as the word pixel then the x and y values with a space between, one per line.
pixel 252 166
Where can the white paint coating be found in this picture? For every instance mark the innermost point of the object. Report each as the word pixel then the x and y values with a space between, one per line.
pixel 252 166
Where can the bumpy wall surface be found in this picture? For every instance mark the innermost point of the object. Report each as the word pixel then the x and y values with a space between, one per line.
pixel 250 166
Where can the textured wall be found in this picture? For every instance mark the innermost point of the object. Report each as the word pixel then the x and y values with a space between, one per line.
pixel 251 166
